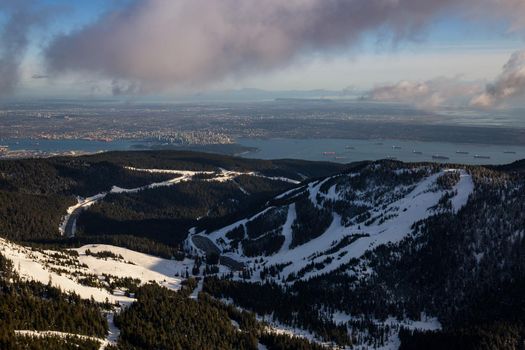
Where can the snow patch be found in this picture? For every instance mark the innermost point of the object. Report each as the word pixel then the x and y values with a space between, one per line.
pixel 42 334
pixel 37 265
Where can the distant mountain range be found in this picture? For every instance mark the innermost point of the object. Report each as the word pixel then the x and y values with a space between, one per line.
pixel 266 95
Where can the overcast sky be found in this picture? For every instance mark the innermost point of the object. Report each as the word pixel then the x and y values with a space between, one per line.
pixel 390 49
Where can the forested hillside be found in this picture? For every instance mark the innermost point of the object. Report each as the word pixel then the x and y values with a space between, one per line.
pixel 462 264
pixel 36 193
pixel 163 319
pixel 367 255
pixel 26 305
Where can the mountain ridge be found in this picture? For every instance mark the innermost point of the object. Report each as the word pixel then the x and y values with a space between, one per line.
pixel 381 254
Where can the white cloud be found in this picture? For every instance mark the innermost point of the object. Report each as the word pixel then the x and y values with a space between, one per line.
pixel 150 45
pixel 158 44
pixel 428 94
pixel 509 85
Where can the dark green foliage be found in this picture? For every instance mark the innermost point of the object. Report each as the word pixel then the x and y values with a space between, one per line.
pixel 10 341
pixel 94 177
pixel 246 320
pixel 448 180
pixel 104 254
pixel 386 173
pixel 35 192
pixel 256 185
pixel 236 234
pixel 273 270
pixel 31 216
pixel 500 336
pixel 165 214
pixel 187 200
pixel 93 225
pixel 70 176
pixel 285 304
pixel 311 221
pixel 264 232
pixel 128 284
pixel 139 244
pixel 6 269
pixel 163 319
pixel 314 266
pixel 32 176
pixel 206 161
pixel 34 306
pixel 269 222
pixel 344 242
pixel 351 213
pixel 466 268
pixel 284 342
pixel 469 267
pixel 266 245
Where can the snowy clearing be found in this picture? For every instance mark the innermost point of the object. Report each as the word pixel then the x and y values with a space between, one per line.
pixel 135 265
pixel 64 272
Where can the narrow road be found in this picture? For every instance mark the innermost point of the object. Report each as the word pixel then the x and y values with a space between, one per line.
pixel 70 227
pixel 69 230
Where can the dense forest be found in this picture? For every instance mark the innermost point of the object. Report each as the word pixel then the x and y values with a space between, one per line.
pixel 34 306
pixel 284 306
pixel 35 193
pixel 163 319
pixel 10 341
pixel 166 214
pixel 497 335
pixel 177 160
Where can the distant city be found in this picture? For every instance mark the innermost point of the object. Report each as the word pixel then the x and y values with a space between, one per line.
pixel 48 128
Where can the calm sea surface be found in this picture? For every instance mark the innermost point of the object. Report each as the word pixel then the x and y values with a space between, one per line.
pixel 345 151
pixel 335 150
pixel 67 145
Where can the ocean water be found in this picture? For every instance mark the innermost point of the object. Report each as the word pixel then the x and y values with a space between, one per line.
pixel 67 145
pixel 334 150
pixel 345 151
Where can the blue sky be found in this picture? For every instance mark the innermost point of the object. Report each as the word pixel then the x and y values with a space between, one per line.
pixel 449 46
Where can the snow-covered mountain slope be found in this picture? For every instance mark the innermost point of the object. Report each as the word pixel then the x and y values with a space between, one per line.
pixel 328 223
pixel 89 270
